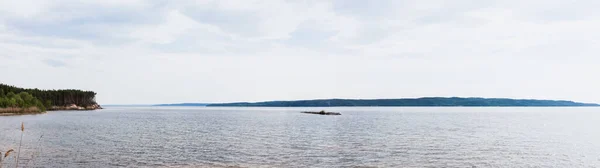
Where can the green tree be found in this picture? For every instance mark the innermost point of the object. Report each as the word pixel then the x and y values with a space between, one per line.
pixel 48 104
pixel 40 105
pixel 3 102
pixel 10 95
pixel 12 102
pixel 26 96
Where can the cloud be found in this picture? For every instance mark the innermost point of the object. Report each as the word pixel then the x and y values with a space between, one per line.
pixel 54 63
pixel 233 50
pixel 175 25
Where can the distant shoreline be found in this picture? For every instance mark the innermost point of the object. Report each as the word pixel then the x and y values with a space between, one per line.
pixel 411 102
pixel 365 106
pixel 183 104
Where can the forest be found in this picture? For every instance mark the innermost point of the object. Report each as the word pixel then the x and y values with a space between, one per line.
pixel 15 97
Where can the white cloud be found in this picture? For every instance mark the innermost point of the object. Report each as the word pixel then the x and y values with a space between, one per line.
pixel 174 26
pixel 23 8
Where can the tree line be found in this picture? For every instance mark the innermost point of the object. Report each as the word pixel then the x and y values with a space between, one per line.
pixel 11 96
pixel 21 100
pixel 426 101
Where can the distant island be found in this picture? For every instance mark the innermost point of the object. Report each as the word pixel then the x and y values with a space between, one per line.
pixel 15 100
pixel 183 104
pixel 415 102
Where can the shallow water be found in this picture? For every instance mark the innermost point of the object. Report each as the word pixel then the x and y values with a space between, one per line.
pixel 283 137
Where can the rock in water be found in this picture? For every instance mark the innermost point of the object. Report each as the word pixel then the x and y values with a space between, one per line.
pixel 321 113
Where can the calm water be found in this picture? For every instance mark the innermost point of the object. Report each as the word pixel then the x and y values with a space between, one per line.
pixel 283 137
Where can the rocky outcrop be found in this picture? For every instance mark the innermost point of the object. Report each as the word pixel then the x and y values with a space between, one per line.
pixel 75 107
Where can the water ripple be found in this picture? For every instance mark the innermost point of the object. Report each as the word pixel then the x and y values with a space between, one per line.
pixel 282 137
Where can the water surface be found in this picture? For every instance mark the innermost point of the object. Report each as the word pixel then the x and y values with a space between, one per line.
pixel 283 137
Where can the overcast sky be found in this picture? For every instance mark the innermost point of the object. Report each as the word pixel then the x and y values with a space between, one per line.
pixel 168 51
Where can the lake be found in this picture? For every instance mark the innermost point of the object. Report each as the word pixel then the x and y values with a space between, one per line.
pixel 284 137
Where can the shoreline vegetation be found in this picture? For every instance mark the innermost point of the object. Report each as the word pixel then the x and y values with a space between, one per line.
pixel 12 157
pixel 17 101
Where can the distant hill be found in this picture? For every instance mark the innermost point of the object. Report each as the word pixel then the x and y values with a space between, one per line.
pixel 427 101
pixel 183 104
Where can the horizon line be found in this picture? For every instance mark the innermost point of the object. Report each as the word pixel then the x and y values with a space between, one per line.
pixel 290 100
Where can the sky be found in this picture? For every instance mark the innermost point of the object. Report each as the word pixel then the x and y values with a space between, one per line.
pixel 171 51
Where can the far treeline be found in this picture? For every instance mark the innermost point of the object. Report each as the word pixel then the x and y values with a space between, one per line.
pixel 15 97
pixel 427 101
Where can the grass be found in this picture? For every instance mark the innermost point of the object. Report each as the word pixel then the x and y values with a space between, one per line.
pixel 20 111
pixel 20 142
pixel 2 158
pixel 10 152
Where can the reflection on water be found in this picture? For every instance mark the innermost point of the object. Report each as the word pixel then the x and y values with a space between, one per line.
pixel 283 137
